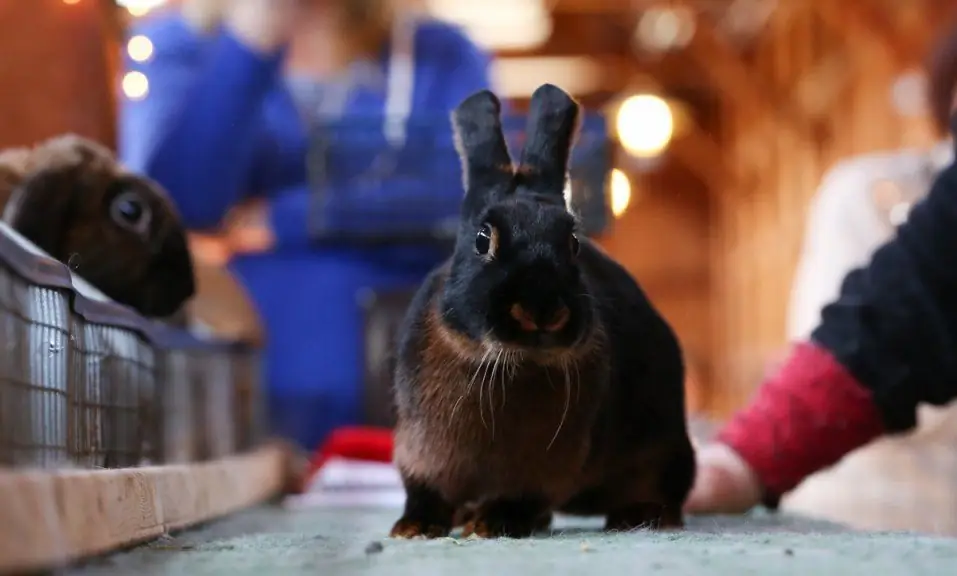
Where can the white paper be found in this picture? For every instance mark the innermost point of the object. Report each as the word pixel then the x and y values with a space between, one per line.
pixel 343 482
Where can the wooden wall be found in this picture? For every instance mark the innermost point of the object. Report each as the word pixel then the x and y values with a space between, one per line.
pixel 55 72
pixel 757 223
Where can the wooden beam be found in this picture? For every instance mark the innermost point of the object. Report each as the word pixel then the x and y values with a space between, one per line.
pixel 702 156
pixel 50 518
pixel 738 81
pixel 816 92
pixel 861 20
pixel 620 6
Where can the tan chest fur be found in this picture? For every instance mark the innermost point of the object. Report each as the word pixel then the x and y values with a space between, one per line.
pixel 497 432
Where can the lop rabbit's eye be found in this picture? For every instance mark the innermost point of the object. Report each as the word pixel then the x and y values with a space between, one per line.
pixel 575 245
pixel 129 211
pixel 486 241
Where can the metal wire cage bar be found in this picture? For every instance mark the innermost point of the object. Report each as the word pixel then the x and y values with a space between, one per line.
pixel 35 359
pixel 87 382
pixel 112 390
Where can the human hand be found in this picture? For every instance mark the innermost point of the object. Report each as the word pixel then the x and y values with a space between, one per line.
pixel 724 483
pixel 248 229
pixel 209 249
pixel 264 25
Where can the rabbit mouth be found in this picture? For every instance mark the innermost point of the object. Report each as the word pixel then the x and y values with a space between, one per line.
pixel 489 346
pixel 544 350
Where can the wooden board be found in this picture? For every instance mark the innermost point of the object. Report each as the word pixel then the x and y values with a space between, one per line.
pixel 50 518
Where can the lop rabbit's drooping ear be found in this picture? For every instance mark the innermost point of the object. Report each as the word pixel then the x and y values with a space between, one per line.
pixel 38 183
pixel 117 230
pixel 486 164
pixel 553 122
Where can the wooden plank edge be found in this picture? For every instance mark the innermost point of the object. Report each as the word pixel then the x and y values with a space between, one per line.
pixel 50 518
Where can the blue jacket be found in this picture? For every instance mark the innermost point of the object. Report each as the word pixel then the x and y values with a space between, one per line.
pixel 219 125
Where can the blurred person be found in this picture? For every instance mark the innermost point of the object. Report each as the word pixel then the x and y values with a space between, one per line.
pixel 856 209
pixel 883 346
pixel 240 93
pixel 876 320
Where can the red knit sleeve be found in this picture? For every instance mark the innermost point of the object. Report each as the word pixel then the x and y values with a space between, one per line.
pixel 805 417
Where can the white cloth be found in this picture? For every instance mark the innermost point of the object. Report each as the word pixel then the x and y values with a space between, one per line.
pixel 847 223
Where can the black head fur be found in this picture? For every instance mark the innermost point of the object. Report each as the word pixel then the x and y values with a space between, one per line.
pixel 517 241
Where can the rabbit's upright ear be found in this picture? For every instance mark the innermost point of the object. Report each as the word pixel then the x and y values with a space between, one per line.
pixel 553 122
pixel 477 126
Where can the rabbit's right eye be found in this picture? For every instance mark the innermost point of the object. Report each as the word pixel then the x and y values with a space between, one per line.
pixel 486 241
pixel 129 211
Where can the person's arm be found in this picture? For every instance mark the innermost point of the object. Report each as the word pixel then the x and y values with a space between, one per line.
pixel 886 344
pixel 418 202
pixel 195 131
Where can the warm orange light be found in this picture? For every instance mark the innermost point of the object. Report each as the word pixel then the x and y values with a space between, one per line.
pixel 140 48
pixel 135 85
pixel 620 186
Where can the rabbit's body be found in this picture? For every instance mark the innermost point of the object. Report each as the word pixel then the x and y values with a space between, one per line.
pixel 573 401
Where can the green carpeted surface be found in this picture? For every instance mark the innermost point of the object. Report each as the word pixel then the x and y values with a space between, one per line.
pixel 270 541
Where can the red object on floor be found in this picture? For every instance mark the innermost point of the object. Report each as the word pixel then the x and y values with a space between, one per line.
pixel 355 443
pixel 805 418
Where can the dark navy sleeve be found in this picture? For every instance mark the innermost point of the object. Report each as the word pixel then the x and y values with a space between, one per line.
pixel 894 325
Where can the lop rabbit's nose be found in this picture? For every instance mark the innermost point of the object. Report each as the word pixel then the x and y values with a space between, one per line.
pixel 524 319
pixel 558 320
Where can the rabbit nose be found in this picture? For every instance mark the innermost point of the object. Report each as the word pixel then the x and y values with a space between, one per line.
pixel 558 320
pixel 524 319
pixel 528 322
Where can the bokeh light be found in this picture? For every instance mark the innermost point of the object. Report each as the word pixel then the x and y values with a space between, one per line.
pixel 645 125
pixel 620 186
pixel 135 85
pixel 140 48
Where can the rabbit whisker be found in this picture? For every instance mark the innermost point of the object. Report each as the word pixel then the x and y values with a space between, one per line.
pixel 508 372
pixel 487 365
pixel 491 388
pixel 568 394
pixel 468 390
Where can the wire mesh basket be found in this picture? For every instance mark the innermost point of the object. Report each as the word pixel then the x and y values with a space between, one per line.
pixel 368 191
pixel 197 391
pixel 215 399
pixel 250 401
pixel 112 392
pixel 35 360
pixel 86 381
pixel 176 430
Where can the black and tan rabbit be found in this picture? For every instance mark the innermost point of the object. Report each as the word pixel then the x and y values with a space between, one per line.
pixel 533 374
pixel 117 230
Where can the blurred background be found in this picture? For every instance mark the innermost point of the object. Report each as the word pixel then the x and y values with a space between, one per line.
pixel 723 115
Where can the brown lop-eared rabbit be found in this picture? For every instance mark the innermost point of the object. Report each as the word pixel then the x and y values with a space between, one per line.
pixel 533 375
pixel 117 230
pixel 120 232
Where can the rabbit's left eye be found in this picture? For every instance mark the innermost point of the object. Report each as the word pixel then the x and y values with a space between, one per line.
pixel 129 211
pixel 486 241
